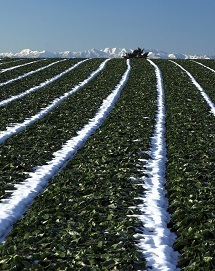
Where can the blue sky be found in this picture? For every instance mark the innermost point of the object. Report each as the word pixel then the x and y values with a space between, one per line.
pixel 174 26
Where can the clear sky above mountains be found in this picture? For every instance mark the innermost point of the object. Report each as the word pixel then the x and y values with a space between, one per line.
pixel 185 26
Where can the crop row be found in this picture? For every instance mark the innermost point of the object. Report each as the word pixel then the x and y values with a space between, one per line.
pixel 85 218
pixel 190 166
pixel 32 80
pixel 42 97
pixel 114 221
pixel 207 62
pixel 27 64
pixel 48 134
pixel 202 75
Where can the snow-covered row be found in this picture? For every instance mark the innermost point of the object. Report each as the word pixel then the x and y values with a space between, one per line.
pixel 13 129
pixel 44 84
pixel 30 73
pixel 15 67
pixel 13 208
pixel 204 66
pixel 156 240
pixel 202 91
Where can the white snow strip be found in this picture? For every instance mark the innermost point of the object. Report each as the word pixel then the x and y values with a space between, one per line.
pixel 202 91
pixel 44 84
pixel 15 206
pixel 15 67
pixel 15 128
pixel 29 73
pixel 156 241
pixel 204 66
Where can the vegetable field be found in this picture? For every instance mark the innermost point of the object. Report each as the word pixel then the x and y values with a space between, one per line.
pixel 107 164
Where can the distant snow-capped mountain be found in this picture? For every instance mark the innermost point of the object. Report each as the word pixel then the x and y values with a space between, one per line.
pixel 103 53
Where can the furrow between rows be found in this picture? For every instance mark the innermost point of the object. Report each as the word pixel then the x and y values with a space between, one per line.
pixel 18 66
pixel 156 239
pixel 9 61
pixel 47 135
pixel 30 73
pixel 41 85
pixel 15 128
pixel 204 66
pixel 107 208
pixel 13 208
pixel 189 169
pixel 198 86
pixel 81 219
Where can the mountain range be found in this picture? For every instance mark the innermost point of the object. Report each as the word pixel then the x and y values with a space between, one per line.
pixel 103 53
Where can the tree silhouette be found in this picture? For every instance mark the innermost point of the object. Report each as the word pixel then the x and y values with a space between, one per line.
pixel 137 53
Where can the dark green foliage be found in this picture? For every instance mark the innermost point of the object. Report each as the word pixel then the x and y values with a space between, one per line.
pixel 83 220
pixel 205 77
pixel 40 140
pixel 190 167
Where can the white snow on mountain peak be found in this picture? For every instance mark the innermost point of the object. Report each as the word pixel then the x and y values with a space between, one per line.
pixel 102 53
